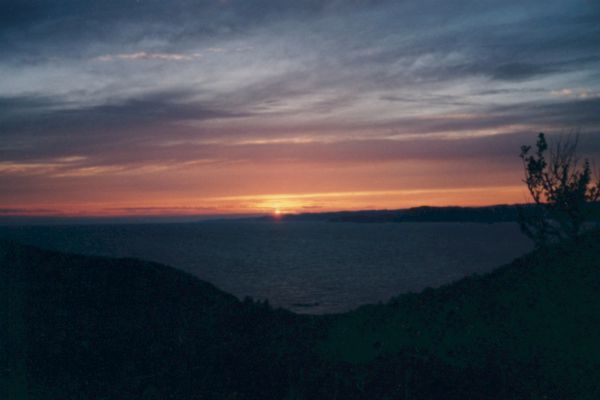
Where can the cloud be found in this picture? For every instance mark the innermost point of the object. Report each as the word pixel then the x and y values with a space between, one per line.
pixel 142 55
pixel 27 211
pixel 152 87
pixel 520 71
pixel 580 93
pixel 59 115
pixel 148 134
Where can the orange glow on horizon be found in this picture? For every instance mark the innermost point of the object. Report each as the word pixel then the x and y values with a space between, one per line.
pixel 286 203
pixel 290 184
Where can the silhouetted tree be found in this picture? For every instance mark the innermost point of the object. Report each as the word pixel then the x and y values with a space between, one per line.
pixel 561 188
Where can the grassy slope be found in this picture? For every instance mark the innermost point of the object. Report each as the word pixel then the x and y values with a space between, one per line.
pixel 539 314
pixel 90 327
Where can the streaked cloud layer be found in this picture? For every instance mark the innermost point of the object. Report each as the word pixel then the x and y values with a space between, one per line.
pixel 120 107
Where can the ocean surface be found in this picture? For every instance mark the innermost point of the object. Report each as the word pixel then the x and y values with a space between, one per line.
pixel 308 267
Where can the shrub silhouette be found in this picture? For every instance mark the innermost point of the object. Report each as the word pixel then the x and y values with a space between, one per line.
pixel 561 188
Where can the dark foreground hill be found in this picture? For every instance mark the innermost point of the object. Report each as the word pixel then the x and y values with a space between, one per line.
pixel 99 328
pixel 75 327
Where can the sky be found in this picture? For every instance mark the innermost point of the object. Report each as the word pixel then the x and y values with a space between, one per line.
pixel 181 107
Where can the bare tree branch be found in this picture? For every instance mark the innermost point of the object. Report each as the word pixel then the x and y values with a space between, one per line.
pixel 561 187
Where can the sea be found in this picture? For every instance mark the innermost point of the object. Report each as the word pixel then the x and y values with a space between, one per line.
pixel 306 267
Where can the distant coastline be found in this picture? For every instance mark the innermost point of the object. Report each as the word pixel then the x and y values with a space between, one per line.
pixel 482 214
pixel 497 213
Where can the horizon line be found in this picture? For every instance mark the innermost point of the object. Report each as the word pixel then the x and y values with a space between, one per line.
pixel 57 219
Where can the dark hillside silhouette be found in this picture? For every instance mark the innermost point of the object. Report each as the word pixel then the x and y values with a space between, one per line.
pixel 90 327
pixel 83 327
